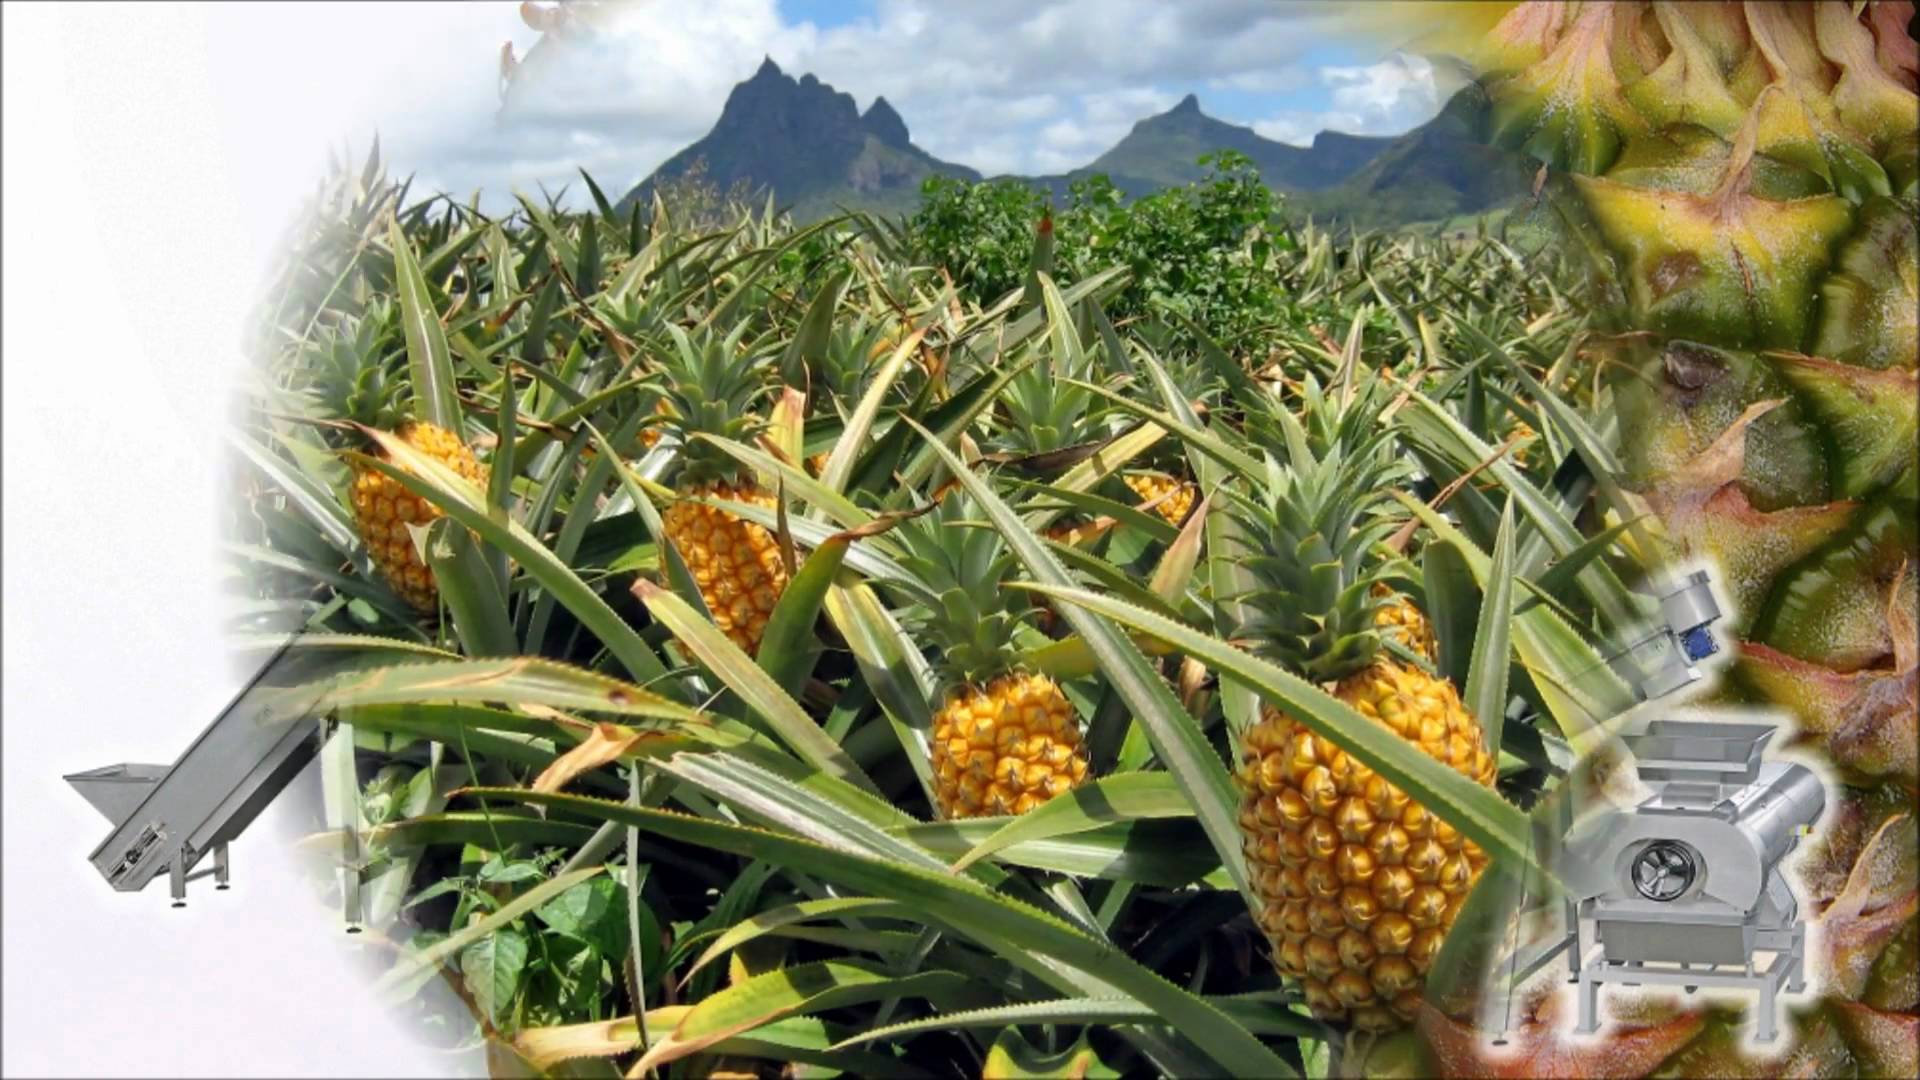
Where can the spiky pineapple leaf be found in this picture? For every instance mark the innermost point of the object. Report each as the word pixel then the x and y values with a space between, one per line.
pixel 1259 1013
pixel 1451 599
pixel 469 827
pixel 1485 694
pixel 1434 425
pixel 1170 853
pixel 803 1040
pixel 1493 823
pixel 373 590
pixel 1575 682
pixel 459 499
pixel 518 680
pixel 893 668
pixel 789 647
pixel 566 545
pixel 430 366
pixel 859 425
pixel 1194 436
pixel 307 494
pixel 471 592
pixel 838 507
pixel 732 666
pixel 767 922
pixel 794 991
pixel 808 347
pixel 1125 797
pixel 1031 938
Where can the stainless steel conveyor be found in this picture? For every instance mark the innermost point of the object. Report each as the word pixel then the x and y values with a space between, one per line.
pixel 169 818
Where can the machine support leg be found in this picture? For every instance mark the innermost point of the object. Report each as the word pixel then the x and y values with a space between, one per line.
pixel 341 788
pixel 1576 952
pixel 221 868
pixel 177 876
pixel 1763 1019
pixel 1797 974
pixel 1589 1006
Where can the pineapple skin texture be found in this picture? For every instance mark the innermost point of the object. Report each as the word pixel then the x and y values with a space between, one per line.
pixel 1411 625
pixel 736 562
pixel 1358 884
pixel 382 510
pixel 1005 748
pixel 1149 487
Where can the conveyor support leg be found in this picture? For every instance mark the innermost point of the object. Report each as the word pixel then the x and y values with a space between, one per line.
pixel 221 868
pixel 177 875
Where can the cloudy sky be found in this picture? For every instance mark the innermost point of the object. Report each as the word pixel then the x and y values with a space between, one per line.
pixel 1024 86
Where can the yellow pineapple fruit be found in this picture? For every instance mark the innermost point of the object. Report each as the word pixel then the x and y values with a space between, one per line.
pixel 353 391
pixel 1151 486
pixel 1005 747
pixel 736 562
pixel 713 387
pixel 650 435
pixel 1357 884
pixel 383 510
pixel 1004 740
pixel 1399 616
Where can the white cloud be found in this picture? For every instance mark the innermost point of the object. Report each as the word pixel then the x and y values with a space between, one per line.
pixel 1382 98
pixel 1394 85
pixel 1001 85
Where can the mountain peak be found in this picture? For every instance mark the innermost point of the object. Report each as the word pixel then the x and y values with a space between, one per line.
pixel 817 151
pixel 884 121
pixel 810 144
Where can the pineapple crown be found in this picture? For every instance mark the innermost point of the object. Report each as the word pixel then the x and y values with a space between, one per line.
pixel 352 380
pixel 1045 412
pixel 1310 534
pixel 959 566
pixel 853 349
pixel 711 385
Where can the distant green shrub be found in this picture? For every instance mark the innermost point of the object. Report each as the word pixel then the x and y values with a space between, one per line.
pixel 1203 251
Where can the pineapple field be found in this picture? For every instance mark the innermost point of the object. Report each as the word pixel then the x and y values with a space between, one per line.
pixel 1113 639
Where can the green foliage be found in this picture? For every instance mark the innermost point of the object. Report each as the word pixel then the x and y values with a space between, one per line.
pixel 737 857
pixel 1201 252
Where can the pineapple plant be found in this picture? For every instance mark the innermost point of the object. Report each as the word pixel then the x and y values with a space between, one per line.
pixel 1164 475
pixel 712 387
pixel 1047 423
pixel 1357 884
pixel 1742 178
pixel 1004 740
pixel 354 385
pixel 838 771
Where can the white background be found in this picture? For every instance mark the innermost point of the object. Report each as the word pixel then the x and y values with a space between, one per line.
pixel 152 156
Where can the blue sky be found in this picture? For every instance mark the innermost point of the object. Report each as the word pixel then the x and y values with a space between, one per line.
pixel 825 13
pixel 1004 86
